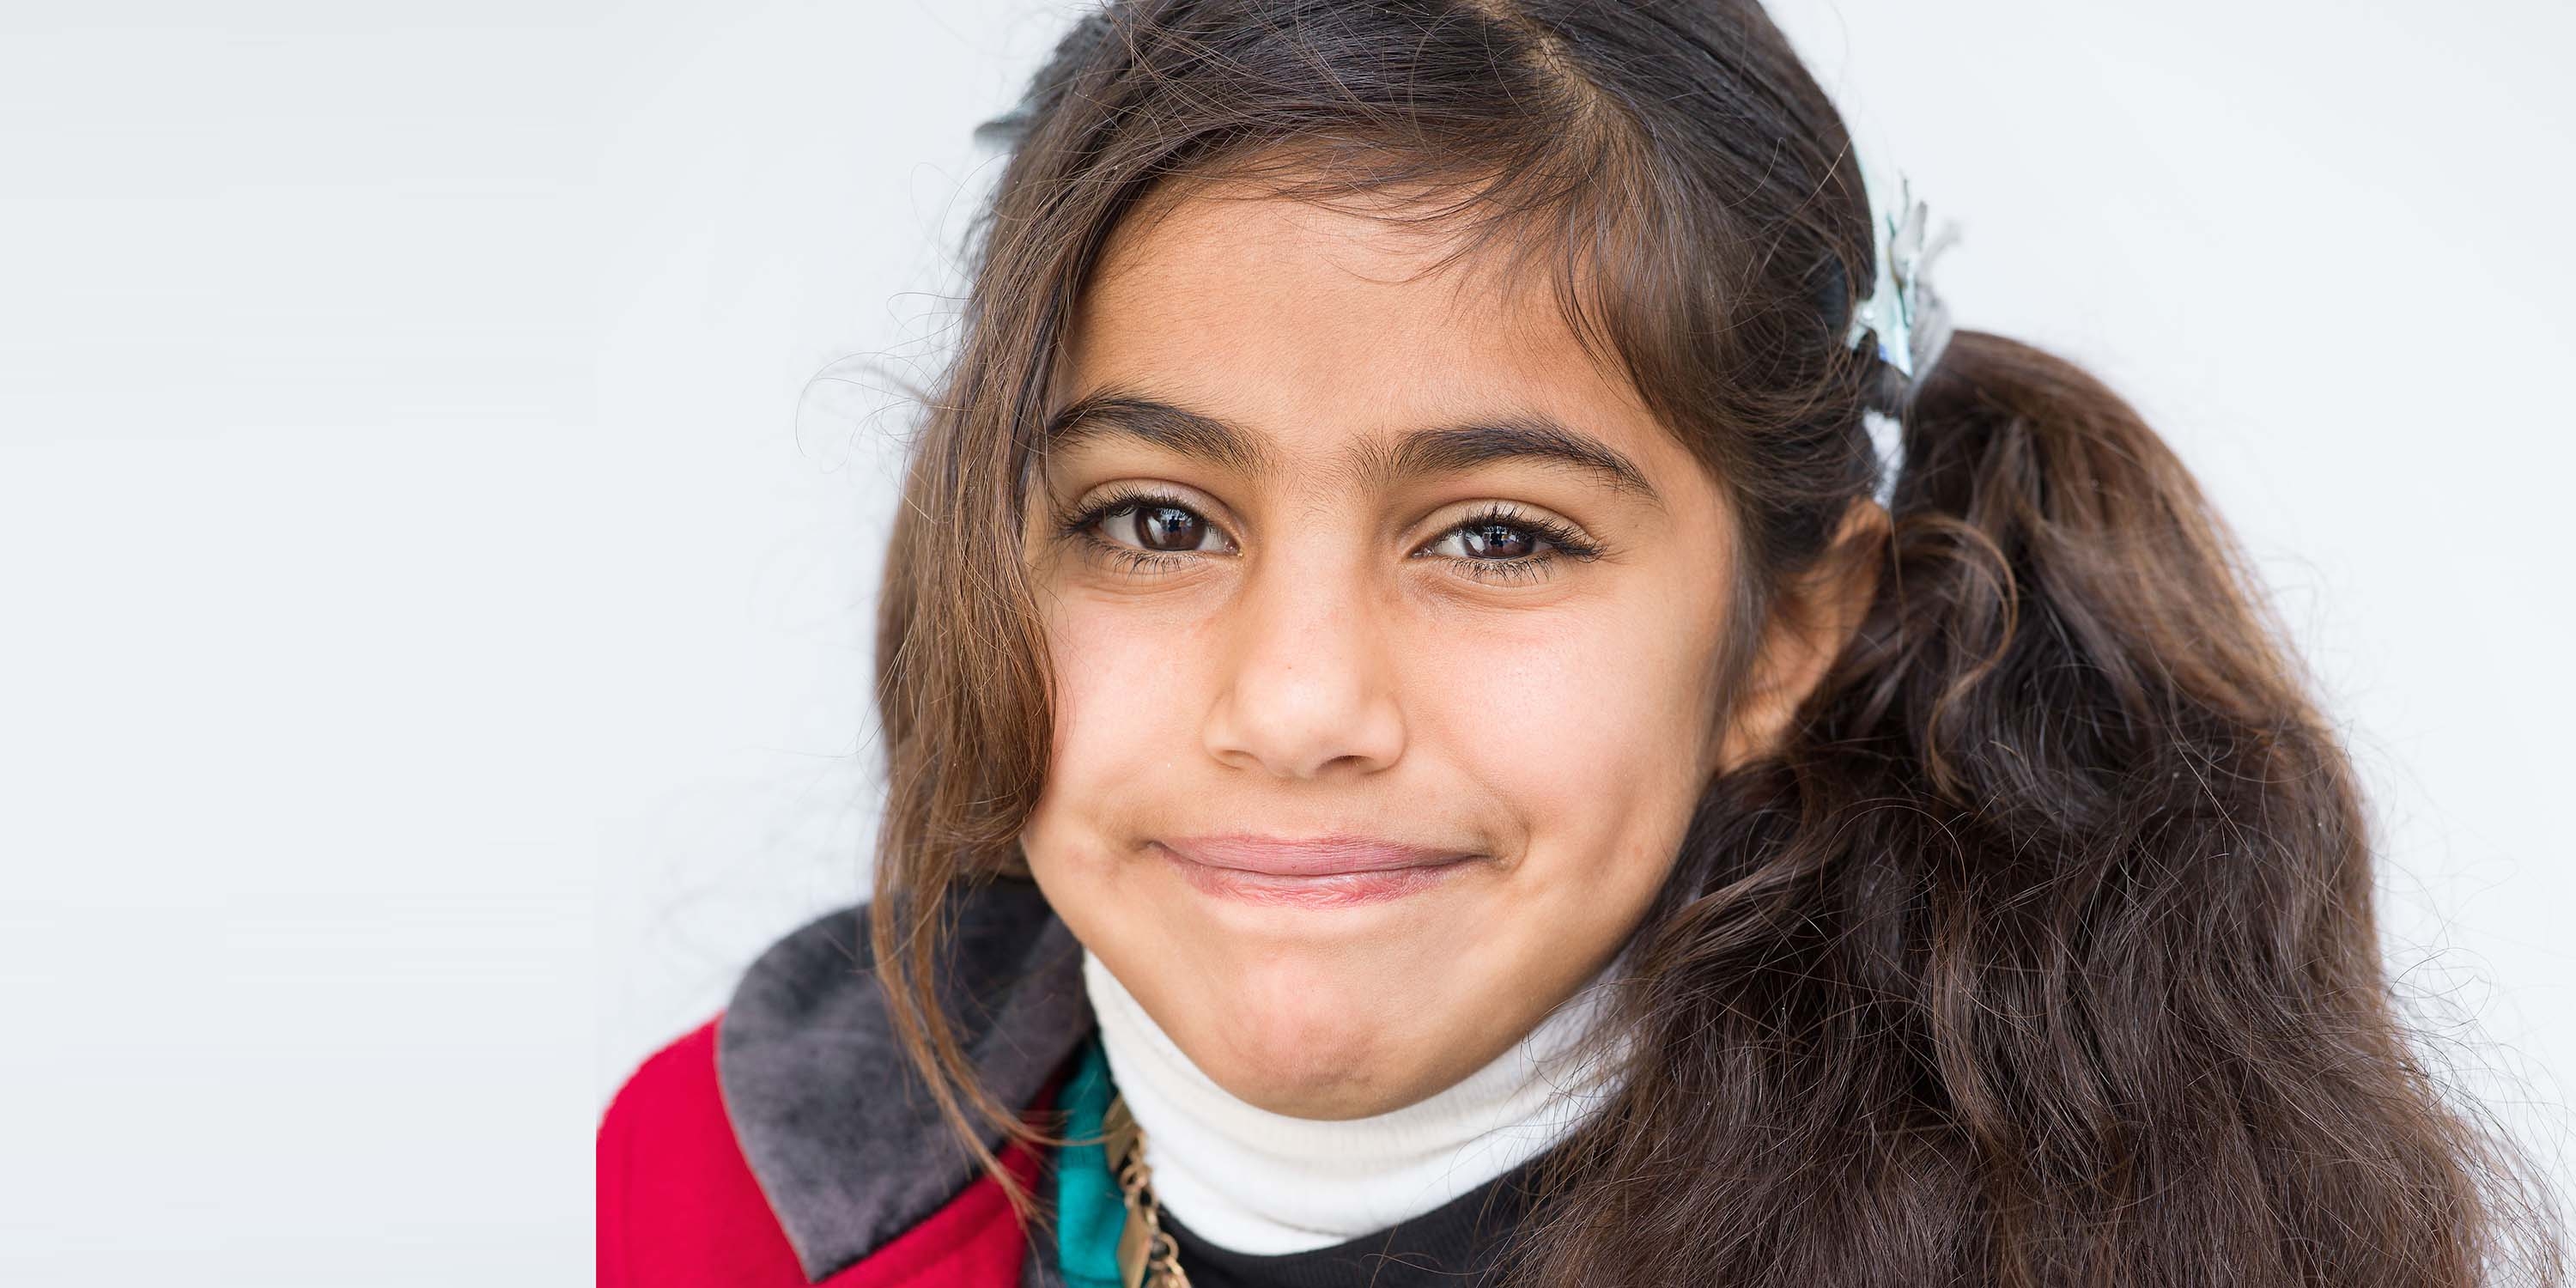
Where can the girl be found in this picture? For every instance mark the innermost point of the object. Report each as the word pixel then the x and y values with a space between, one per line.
pixel 1428 746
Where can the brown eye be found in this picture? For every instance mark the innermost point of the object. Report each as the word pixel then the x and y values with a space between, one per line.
pixel 1152 525
pixel 1498 541
pixel 1168 527
pixel 1508 544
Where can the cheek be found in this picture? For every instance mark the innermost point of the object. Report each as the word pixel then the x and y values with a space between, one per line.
pixel 1594 726
pixel 1120 670
pixel 1107 736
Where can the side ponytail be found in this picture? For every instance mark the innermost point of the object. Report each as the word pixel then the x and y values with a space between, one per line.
pixel 2054 556
pixel 2044 954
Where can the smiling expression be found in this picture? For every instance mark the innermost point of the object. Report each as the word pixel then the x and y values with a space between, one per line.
pixel 1385 626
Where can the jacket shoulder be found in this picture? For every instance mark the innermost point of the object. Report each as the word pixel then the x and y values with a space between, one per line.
pixel 677 1200
pixel 788 1140
pixel 843 1132
pixel 679 1206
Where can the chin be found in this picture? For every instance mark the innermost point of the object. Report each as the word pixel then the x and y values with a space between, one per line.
pixel 1307 1048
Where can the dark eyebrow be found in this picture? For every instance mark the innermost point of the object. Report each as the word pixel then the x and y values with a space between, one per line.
pixel 1175 430
pixel 1456 449
pixel 1445 449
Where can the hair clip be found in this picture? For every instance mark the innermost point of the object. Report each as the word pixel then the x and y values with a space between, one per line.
pixel 1907 318
pixel 1903 311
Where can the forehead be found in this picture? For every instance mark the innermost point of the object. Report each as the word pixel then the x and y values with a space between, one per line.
pixel 1314 326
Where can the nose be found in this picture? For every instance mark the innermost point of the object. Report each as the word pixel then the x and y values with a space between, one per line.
pixel 1308 683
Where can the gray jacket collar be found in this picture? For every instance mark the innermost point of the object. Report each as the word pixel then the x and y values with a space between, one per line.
pixel 838 1128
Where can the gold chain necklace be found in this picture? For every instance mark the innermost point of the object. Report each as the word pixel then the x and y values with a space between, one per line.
pixel 1146 1253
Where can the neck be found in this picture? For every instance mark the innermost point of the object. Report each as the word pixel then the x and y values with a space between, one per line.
pixel 1254 1181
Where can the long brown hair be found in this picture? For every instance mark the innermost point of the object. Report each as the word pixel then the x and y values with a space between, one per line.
pixel 2042 952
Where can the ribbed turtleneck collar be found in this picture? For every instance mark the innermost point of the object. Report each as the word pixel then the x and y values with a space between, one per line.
pixel 1254 1181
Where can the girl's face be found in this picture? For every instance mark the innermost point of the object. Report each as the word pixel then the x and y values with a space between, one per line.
pixel 1386 630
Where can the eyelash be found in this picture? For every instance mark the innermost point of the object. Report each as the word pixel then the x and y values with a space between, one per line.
pixel 1564 541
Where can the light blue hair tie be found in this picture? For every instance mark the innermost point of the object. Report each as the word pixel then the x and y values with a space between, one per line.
pixel 1902 316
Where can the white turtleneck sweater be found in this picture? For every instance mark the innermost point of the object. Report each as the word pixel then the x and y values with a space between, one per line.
pixel 1257 1182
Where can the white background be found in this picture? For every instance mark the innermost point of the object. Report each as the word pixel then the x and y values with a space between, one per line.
pixel 434 584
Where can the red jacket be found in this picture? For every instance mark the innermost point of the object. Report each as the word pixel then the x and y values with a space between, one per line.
pixel 787 1142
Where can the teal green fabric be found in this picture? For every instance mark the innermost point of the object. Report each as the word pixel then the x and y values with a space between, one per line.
pixel 1089 1210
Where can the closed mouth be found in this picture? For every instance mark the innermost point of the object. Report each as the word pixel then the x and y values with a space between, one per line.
pixel 1326 856
pixel 1333 871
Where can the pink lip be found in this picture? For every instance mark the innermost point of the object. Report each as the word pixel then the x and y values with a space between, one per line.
pixel 1325 871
